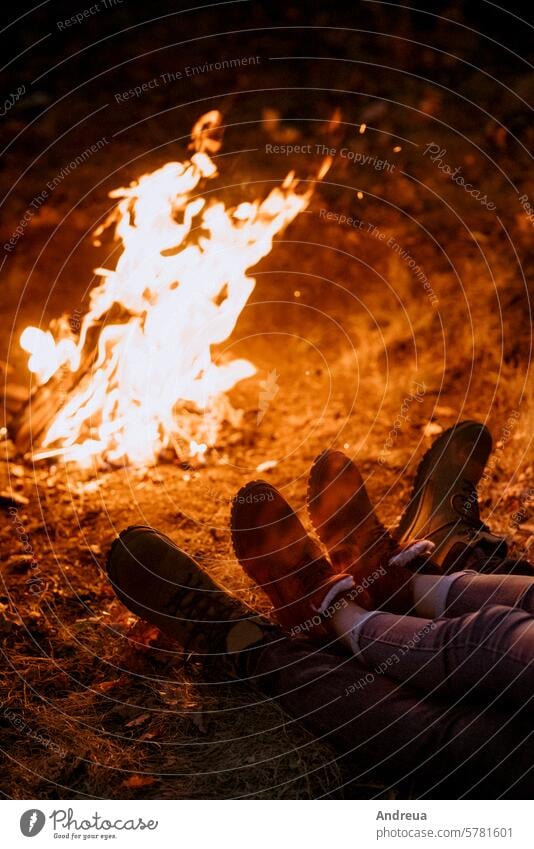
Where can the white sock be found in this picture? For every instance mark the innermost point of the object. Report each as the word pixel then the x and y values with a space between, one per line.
pixel 417 548
pixel 348 622
pixel 431 593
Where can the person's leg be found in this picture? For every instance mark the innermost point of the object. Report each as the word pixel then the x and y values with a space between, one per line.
pixel 382 730
pixel 374 723
pixel 467 591
pixel 162 584
pixel 493 649
pixel 399 579
pixel 490 651
pixel 356 540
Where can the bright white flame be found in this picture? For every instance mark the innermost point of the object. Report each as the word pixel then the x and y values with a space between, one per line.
pixel 178 288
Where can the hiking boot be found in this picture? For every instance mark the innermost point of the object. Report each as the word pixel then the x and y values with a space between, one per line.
pixel 357 542
pixel 159 582
pixel 272 546
pixel 444 503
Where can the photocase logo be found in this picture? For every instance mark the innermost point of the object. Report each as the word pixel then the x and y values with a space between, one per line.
pixel 32 822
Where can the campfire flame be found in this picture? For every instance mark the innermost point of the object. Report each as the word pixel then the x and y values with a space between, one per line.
pixel 178 286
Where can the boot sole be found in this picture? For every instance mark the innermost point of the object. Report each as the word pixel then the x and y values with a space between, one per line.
pixel 309 496
pixel 424 469
pixel 241 494
pixel 119 538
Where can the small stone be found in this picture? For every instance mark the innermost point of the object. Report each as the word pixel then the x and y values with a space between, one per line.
pixel 20 562
pixel 13 499
pixel 432 429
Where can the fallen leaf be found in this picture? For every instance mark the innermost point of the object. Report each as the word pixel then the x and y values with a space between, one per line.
pixel 104 686
pixel 134 723
pixel 136 781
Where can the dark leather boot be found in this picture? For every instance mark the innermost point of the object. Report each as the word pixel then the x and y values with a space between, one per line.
pixel 357 542
pixel 159 582
pixel 275 551
pixel 444 503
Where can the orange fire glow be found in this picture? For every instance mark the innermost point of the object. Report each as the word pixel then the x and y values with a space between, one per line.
pixel 181 283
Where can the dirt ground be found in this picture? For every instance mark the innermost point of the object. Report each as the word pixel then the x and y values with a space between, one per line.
pixel 94 703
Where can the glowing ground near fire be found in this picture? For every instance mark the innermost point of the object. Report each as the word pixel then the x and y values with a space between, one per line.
pixel 148 380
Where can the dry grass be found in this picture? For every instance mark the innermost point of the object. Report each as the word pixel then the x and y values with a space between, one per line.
pixel 81 675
